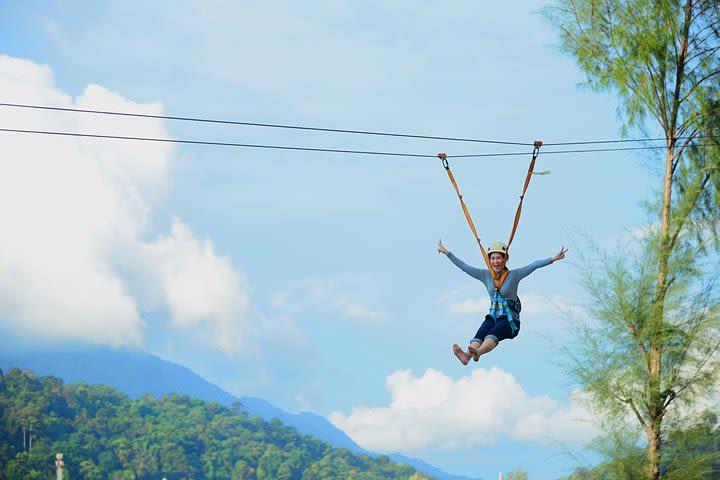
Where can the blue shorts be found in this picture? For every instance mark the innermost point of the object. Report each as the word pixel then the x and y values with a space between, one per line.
pixel 499 329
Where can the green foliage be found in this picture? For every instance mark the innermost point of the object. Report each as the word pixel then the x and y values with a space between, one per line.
pixel 662 60
pixel 655 342
pixel 690 453
pixel 633 48
pixel 626 459
pixel 610 356
pixel 105 435
pixel 518 474
pixel 694 452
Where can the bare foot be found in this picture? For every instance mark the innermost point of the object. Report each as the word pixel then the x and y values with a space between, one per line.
pixel 473 353
pixel 462 356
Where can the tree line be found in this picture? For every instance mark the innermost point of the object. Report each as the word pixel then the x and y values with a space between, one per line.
pixel 103 434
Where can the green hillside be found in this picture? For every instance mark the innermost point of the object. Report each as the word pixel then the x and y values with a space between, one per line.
pixel 104 434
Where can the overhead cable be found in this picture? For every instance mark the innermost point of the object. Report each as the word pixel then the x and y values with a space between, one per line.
pixel 551 152
pixel 329 130
pixel 219 144
pixel 267 125
pixel 313 149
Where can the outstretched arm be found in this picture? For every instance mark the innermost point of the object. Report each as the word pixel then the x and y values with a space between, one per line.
pixel 474 272
pixel 560 255
pixel 523 272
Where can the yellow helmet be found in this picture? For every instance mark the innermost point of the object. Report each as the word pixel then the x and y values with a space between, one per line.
pixel 497 247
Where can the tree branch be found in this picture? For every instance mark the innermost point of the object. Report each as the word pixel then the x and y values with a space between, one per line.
pixel 691 380
pixel 687 204
pixel 681 58
pixel 630 402
pixel 643 351
pixel 692 88
pixel 677 154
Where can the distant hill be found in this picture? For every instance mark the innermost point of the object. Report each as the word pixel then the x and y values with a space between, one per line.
pixel 104 434
pixel 136 373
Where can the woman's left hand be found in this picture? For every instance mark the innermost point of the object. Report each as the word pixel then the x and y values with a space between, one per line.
pixel 560 255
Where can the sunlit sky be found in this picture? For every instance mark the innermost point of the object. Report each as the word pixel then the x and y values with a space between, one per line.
pixel 312 279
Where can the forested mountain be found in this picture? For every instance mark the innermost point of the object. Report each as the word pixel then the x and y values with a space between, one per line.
pixel 136 373
pixel 104 434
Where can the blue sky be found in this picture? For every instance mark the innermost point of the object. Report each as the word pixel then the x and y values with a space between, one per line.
pixel 311 279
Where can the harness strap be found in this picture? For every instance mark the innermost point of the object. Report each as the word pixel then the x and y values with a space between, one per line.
pixel 498 279
pixel 445 163
pixel 536 152
pixel 500 303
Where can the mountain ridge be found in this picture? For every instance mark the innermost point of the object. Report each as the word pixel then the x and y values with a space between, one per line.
pixel 102 366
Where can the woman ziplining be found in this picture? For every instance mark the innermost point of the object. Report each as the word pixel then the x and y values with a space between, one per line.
pixel 503 320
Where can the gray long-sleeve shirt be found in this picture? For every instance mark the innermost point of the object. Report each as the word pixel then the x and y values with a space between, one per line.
pixel 510 286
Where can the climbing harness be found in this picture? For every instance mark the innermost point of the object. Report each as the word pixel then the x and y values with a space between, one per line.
pixel 500 306
pixel 498 278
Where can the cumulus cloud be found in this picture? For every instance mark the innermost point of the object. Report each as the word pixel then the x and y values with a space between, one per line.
pixel 436 412
pixel 75 259
pixel 199 287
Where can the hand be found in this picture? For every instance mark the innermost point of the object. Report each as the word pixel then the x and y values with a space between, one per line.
pixel 441 248
pixel 560 255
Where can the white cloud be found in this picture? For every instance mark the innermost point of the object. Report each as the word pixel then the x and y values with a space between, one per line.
pixel 643 232
pixel 357 310
pixel 447 296
pixel 538 304
pixel 347 295
pixel 200 287
pixel 75 262
pixel 532 304
pixel 469 306
pixel 301 401
pixel 280 300
pixel 342 295
pixel 435 412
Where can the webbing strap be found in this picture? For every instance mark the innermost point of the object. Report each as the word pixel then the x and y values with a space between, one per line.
pixel 497 279
pixel 500 303
pixel 445 163
pixel 536 151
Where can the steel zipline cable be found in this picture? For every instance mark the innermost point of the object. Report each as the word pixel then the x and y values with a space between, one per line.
pixel 218 144
pixel 323 129
pixel 311 149
pixel 266 125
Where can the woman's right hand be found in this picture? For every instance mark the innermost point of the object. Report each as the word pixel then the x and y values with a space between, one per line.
pixel 441 248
